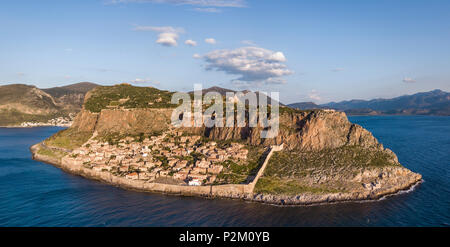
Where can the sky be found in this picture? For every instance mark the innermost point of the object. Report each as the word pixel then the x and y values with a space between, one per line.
pixel 318 51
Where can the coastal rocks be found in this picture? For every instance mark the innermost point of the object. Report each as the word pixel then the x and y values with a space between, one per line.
pixel 374 190
pixel 372 185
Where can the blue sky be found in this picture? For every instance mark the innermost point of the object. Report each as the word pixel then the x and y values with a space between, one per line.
pixel 317 51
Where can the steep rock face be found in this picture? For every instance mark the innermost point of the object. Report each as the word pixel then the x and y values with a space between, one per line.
pixel 123 121
pixel 322 129
pixel 315 130
pixel 133 121
pixel 307 131
pixel 298 130
pixel 85 121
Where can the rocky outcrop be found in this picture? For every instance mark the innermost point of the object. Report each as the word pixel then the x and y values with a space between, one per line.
pixel 85 121
pixel 300 132
pixel 133 121
pixel 123 121
pixel 309 131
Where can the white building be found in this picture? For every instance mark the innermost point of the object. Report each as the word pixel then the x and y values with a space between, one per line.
pixel 195 182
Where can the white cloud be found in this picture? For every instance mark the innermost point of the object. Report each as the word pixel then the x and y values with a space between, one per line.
pixel 196 56
pixel 210 41
pixel 144 81
pixel 248 42
pixel 277 57
pixel 252 64
pixel 167 39
pixel 208 10
pixel 314 95
pixel 168 36
pixel 203 3
pixel 408 80
pixel 163 29
pixel 190 42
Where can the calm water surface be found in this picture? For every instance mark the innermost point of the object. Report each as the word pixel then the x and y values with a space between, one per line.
pixel 36 194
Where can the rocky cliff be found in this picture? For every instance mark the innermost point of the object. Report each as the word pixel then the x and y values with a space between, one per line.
pixel 306 130
pixel 312 130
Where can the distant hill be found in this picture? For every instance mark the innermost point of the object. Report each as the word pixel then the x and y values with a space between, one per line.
pixel 305 106
pixel 223 92
pixel 21 103
pixel 71 96
pixel 82 87
pixel 26 98
pixel 436 102
pixel 220 90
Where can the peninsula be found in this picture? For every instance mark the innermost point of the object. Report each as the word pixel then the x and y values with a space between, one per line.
pixel 123 136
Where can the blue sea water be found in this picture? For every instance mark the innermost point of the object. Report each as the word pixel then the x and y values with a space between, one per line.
pixel 36 194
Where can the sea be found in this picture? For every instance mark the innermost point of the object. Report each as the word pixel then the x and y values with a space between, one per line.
pixel 33 193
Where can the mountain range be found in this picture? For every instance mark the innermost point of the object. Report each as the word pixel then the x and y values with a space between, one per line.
pixel 436 102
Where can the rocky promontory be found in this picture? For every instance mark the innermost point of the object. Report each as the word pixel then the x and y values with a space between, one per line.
pixel 123 137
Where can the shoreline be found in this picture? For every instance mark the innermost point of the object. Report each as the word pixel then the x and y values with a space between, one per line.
pixel 25 127
pixel 242 192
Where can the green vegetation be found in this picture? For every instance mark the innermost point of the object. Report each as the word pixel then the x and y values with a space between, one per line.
pixel 164 161
pixel 289 110
pixel 277 186
pixel 288 172
pixel 196 156
pixel 295 164
pixel 127 96
pixel 238 173
pixel 51 153
pixel 68 139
